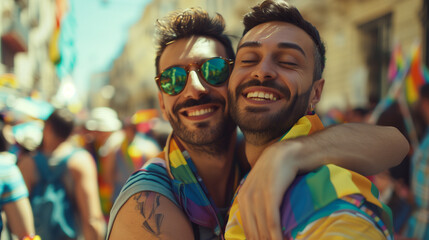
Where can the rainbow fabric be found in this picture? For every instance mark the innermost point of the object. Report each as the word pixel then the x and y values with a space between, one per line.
pixel 190 190
pixel 396 64
pixel 417 76
pixel 320 193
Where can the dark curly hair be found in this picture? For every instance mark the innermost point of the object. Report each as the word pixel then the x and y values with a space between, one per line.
pixel 278 10
pixel 187 23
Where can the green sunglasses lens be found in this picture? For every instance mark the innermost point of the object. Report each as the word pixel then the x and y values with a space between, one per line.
pixel 173 80
pixel 215 71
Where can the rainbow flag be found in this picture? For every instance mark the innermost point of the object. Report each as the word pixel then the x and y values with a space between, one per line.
pixel 418 75
pixel 396 64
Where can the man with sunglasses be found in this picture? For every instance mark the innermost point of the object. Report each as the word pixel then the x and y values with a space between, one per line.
pixel 186 191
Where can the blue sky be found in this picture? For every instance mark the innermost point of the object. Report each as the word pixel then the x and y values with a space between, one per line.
pixel 97 31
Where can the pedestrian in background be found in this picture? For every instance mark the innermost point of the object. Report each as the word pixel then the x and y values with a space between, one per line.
pixel 61 178
pixel 14 195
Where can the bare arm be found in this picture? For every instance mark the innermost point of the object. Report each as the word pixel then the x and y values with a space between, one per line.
pixel 150 215
pixel 364 148
pixel 28 170
pixel 20 217
pixel 84 174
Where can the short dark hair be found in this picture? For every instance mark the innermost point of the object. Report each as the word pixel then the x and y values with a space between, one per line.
pixel 62 122
pixel 187 23
pixel 275 10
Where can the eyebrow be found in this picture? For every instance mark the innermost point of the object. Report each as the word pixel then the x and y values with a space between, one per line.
pixel 291 45
pixel 252 44
pixel 255 44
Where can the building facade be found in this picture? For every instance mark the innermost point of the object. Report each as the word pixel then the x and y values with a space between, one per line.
pixel 26 29
pixel 360 36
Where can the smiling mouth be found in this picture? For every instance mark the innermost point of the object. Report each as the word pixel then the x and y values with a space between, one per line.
pixel 200 112
pixel 261 96
pixel 197 112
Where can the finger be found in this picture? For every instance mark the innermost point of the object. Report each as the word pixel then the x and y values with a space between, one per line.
pixel 258 196
pixel 247 215
pixel 270 225
pixel 273 227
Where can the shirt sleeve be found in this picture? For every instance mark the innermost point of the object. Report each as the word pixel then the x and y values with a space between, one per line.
pixel 343 225
pixel 12 185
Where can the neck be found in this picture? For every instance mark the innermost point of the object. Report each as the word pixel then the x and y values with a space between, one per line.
pixel 48 147
pixel 215 168
pixel 254 150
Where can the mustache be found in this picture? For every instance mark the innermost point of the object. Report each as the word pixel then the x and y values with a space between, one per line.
pixel 266 83
pixel 205 99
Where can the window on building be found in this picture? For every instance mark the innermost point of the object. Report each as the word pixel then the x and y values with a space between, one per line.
pixel 376 46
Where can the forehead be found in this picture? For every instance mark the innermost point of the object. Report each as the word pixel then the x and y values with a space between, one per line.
pixel 273 33
pixel 192 49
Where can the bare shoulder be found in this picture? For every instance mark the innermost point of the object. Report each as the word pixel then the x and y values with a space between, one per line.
pixel 150 215
pixel 81 161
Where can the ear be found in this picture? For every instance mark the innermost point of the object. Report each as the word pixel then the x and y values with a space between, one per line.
pixel 316 93
pixel 162 105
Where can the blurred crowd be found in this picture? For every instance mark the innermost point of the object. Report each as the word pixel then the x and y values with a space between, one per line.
pixel 69 169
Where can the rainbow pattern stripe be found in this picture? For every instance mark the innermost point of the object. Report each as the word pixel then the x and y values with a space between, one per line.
pixel 191 192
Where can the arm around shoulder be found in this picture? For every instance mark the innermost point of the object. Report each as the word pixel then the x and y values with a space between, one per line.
pixel 150 215
pixel 365 148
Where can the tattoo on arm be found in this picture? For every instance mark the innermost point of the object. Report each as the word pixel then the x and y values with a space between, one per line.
pixel 147 203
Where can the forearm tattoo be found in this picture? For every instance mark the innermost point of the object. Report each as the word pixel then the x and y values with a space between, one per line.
pixel 147 203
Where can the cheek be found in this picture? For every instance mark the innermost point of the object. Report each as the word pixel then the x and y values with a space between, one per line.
pixel 168 107
pixel 164 115
pixel 223 91
pixel 297 82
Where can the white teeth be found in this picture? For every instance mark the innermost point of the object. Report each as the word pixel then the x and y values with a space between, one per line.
pixel 260 96
pixel 200 112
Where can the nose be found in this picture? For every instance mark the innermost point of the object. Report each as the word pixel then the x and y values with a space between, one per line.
pixel 196 85
pixel 264 70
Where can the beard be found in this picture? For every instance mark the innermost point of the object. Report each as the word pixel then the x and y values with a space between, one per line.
pixel 260 128
pixel 213 139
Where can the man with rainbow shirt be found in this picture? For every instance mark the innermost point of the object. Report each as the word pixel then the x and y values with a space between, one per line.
pixel 276 82
pixel 186 191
